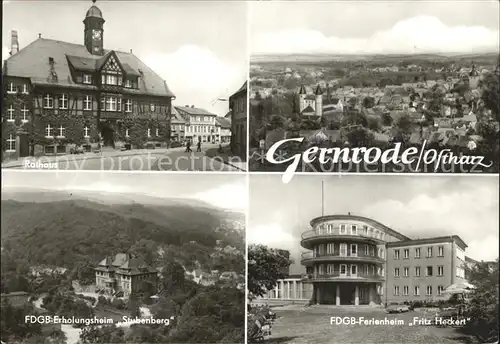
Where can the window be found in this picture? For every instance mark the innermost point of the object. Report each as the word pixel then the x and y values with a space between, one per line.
pixel 343 249
pixel 441 251
pixel 330 269
pixel 48 131
pixel 119 104
pixel 416 290
pixel 87 78
pixel 405 290
pixel 429 252
pixel 61 130
pixel 354 270
pixel 11 144
pixel 343 269
pixel 109 103
pixel 126 133
pixel 396 254
pixel 440 270
pixel 149 132
pixel 354 250
pixel 10 114
pixel 460 272
pixel 152 107
pixel 365 230
pixel 382 253
pixel 396 272
pixel 354 230
pixel 11 88
pixel 111 79
pixel 417 252
pixel 48 102
pixel 440 289
pixel 86 131
pixel 128 106
pixel 406 272
pixel 428 271
pixel 396 290
pixel 406 253
pixel 342 229
pixel 365 269
pixel 63 101
pixel 128 83
pixel 366 250
pixel 24 114
pixel 25 89
pixel 417 271
pixel 329 229
pixel 428 290
pixel 87 103
pixel 329 248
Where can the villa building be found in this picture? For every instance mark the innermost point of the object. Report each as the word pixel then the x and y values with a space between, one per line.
pixel 354 260
pixel 124 275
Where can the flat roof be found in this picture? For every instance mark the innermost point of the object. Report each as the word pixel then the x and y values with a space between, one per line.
pixel 435 240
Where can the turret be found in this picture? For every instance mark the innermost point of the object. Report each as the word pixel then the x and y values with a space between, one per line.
pixel 319 101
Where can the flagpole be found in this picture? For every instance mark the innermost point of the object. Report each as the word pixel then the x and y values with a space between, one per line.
pixel 322 199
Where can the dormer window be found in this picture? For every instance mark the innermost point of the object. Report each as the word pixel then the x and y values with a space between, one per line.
pixel 128 83
pixel 152 107
pixel 87 78
pixel 11 88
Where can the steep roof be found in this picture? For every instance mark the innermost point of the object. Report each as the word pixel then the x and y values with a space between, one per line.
pixel 33 62
pixel 193 111
pixel 223 122
pixel 133 265
pixel 176 117
pixel 242 89
pixel 302 90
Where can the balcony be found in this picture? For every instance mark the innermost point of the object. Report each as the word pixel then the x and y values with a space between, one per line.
pixel 337 277
pixel 312 237
pixel 309 258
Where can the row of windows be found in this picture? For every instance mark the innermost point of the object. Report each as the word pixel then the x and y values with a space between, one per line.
pixel 353 250
pixel 417 271
pixel 109 103
pixel 108 79
pixel 406 252
pixel 11 114
pixel 329 269
pixel 353 230
pixel 200 128
pixel 60 132
pixel 416 290
pixel 11 88
pixel 202 119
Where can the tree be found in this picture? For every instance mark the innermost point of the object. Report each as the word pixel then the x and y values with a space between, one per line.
pixel 368 102
pixel 265 267
pixel 147 250
pixel 360 137
pixel 491 94
pixel 102 335
pixel 404 128
pixel 483 309
pixel 386 119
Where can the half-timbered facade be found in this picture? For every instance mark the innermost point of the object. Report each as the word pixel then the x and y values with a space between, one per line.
pixel 58 95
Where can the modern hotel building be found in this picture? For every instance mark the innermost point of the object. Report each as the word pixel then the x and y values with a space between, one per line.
pixel 354 260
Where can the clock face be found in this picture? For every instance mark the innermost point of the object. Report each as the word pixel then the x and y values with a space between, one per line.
pixel 96 34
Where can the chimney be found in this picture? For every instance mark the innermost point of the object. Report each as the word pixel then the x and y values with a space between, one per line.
pixel 131 51
pixel 192 106
pixel 14 43
pixel 39 35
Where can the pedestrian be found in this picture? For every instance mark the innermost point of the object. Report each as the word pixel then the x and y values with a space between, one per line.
pixel 188 146
pixel 198 146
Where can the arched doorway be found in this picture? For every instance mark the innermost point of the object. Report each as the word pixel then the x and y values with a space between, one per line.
pixel 107 134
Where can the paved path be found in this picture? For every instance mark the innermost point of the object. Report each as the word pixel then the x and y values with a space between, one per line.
pixel 173 159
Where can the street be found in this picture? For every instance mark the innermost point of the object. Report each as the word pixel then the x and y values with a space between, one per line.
pixel 299 325
pixel 173 159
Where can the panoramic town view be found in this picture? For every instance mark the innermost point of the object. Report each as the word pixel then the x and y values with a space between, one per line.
pixel 79 99
pixel 140 264
pixel 313 80
pixel 390 267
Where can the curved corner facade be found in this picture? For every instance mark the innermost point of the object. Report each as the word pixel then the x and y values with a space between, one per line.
pixel 346 259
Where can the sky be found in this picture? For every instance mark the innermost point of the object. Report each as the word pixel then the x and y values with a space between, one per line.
pixel 380 27
pixel 227 191
pixel 198 48
pixel 416 206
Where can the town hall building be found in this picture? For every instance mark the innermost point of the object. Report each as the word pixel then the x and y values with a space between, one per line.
pixel 60 95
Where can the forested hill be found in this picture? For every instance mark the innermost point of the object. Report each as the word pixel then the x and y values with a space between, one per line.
pixel 65 232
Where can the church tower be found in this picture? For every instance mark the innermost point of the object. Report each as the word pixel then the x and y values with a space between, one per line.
pixel 473 77
pixel 302 98
pixel 93 34
pixel 319 101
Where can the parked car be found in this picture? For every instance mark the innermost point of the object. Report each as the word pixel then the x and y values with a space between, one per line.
pixel 397 308
pixel 176 144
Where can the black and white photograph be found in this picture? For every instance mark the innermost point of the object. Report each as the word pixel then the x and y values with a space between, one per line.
pixel 350 74
pixel 373 259
pixel 107 257
pixel 124 85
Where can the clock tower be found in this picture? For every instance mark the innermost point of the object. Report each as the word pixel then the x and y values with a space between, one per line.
pixel 94 30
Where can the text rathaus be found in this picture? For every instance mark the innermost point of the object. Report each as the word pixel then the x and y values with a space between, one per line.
pixel 60 95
